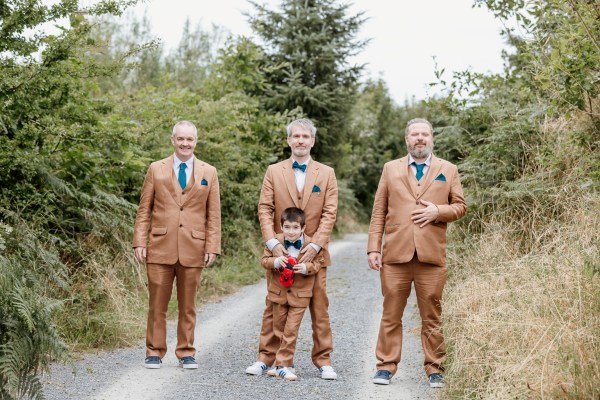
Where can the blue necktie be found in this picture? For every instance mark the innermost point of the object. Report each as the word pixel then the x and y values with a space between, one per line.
pixel 301 167
pixel 182 178
pixel 420 168
pixel 297 244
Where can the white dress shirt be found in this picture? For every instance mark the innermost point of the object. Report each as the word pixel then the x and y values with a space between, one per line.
pixel 188 169
pixel 300 175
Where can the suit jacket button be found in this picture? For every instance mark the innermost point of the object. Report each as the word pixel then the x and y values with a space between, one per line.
pixel 181 209
pixel 182 192
pixel 418 184
pixel 180 225
pixel 418 202
pixel 289 291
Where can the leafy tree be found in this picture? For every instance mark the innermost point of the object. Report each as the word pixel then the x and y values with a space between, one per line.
pixel 190 63
pixel 57 164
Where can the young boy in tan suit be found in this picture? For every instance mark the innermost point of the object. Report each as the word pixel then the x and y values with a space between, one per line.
pixel 289 302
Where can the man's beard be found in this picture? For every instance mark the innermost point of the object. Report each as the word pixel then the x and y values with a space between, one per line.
pixel 423 153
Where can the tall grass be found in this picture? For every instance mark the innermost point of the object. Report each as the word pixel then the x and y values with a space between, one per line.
pixel 522 307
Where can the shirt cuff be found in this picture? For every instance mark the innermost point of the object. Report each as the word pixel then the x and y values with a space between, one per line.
pixel 276 263
pixel 271 243
pixel 315 246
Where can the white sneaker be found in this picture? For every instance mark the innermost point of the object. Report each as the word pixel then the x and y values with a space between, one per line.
pixel 328 373
pixel 272 372
pixel 258 368
pixel 285 373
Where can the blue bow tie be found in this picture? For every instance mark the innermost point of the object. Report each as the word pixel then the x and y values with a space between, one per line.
pixel 301 167
pixel 297 244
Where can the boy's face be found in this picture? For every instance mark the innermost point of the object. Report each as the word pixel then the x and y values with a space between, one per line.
pixel 292 230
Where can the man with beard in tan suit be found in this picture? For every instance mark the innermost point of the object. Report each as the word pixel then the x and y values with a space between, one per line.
pixel 417 196
pixel 311 186
pixel 180 205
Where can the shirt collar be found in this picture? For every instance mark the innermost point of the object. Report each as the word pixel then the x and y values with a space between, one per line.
pixel 427 162
pixel 177 162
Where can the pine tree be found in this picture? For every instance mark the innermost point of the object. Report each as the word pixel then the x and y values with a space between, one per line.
pixel 311 43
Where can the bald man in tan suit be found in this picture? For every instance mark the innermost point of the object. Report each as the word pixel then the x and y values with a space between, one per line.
pixel 311 186
pixel 416 198
pixel 177 232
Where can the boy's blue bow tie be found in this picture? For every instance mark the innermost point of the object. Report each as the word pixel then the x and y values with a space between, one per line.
pixel 297 244
pixel 301 167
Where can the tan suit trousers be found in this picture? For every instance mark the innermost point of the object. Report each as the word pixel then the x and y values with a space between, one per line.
pixel 321 327
pixel 286 324
pixel 396 281
pixel 160 287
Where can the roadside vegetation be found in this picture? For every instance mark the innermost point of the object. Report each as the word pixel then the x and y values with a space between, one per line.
pixel 84 110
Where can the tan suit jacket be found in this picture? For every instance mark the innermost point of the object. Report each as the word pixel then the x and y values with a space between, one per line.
pixel 319 201
pixel 399 193
pixel 184 224
pixel 300 293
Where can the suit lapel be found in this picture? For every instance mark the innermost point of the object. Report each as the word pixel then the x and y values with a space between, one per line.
pixel 169 174
pixel 311 177
pixel 290 181
pixel 404 175
pixel 197 181
pixel 432 172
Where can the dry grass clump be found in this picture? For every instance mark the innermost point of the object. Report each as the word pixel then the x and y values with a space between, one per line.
pixel 105 306
pixel 526 324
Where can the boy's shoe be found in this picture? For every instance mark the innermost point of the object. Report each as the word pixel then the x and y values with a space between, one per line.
pixel 328 373
pixel 436 380
pixel 152 362
pixel 258 368
pixel 285 373
pixel 272 372
pixel 382 377
pixel 188 362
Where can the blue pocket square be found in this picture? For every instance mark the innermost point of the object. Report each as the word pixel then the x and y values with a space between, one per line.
pixel 441 177
pixel 316 189
pixel 205 182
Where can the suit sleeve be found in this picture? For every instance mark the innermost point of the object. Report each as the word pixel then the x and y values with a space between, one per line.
pixel 267 261
pixel 317 263
pixel 456 207
pixel 144 212
pixel 380 210
pixel 329 213
pixel 266 207
pixel 213 217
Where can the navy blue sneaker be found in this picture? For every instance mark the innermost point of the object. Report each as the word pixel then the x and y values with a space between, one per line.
pixel 436 380
pixel 152 362
pixel 382 377
pixel 188 362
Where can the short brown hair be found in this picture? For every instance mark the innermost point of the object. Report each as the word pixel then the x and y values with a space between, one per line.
pixel 293 214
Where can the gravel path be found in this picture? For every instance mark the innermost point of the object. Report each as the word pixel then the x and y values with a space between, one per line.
pixel 227 340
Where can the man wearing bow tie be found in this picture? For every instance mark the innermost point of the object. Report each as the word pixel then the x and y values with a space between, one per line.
pixel 417 196
pixel 311 186
pixel 180 205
